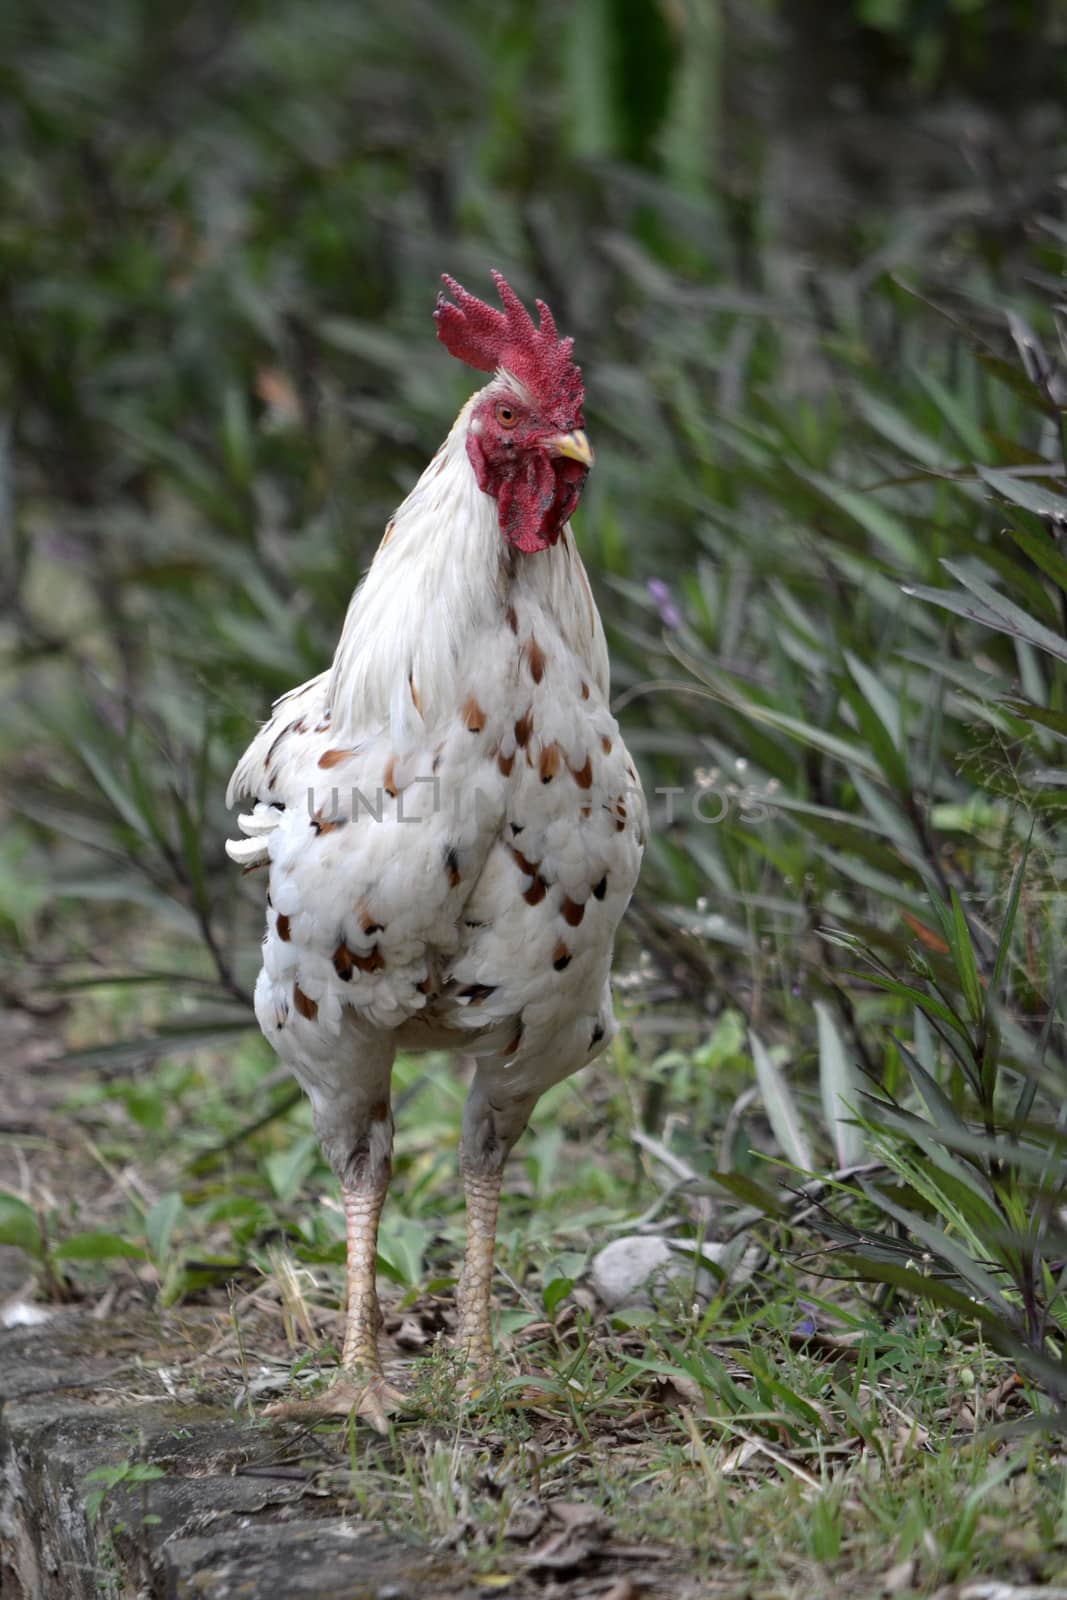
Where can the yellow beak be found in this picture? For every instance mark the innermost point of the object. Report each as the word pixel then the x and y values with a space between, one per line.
pixel 574 445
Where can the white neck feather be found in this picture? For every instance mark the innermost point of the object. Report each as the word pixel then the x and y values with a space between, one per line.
pixel 441 577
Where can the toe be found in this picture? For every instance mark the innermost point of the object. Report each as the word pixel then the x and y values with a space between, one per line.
pixel 372 1397
pixel 379 1401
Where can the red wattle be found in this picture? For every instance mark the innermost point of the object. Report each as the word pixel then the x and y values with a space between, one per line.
pixel 534 499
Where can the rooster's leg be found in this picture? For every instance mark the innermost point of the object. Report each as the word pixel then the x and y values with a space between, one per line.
pixel 363 1162
pixel 361 1385
pixel 363 1209
pixel 474 1332
pixel 493 1119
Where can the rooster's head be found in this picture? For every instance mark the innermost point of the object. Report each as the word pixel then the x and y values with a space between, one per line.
pixel 526 439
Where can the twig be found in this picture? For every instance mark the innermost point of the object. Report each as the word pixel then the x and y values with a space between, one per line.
pixel 681 1169
pixel 768 1450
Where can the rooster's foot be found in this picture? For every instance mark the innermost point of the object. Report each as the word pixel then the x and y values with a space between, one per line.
pixel 370 1396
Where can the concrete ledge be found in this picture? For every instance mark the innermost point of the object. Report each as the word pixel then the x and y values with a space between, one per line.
pixel 224 1521
pixel 327 1560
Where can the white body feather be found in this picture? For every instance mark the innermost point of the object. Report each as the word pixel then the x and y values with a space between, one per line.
pixel 452 823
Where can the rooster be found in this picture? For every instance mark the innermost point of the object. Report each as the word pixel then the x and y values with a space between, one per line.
pixel 451 821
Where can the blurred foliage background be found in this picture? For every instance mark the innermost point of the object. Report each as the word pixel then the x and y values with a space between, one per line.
pixel 813 261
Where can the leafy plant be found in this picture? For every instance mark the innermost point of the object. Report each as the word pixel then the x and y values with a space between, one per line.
pixel 127 1474
pixel 920 805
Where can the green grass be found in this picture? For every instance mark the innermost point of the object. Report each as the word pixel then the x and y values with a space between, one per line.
pixel 787 1433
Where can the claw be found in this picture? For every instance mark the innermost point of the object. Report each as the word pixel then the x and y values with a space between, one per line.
pixel 372 1397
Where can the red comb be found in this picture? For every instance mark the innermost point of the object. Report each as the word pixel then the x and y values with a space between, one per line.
pixel 486 338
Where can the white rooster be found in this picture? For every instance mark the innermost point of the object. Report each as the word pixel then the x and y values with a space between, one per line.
pixel 452 824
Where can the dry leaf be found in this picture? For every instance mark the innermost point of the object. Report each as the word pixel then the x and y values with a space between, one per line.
pixel 927 936
pixel 901 1576
pixel 278 395
pixel 411 1335
pixel 583 1533
pixel 680 1388
pixel 525 1519
pixel 575 1513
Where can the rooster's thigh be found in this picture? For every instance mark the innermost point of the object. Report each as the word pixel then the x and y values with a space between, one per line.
pixel 345 1071
pixel 505 1091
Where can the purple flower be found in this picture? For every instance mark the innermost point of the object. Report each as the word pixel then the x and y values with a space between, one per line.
pixel 669 614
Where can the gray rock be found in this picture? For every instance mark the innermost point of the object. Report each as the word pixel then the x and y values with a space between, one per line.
pixel 226 1521
pixel 623 1272
pixel 48 1545
pixel 331 1559
pixel 65 1410
pixel 637 1269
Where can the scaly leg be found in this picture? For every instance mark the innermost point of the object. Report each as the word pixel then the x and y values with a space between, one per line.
pixel 361 1386
pixel 355 1124
pixel 493 1118
pixel 363 1209
pixel 474 1332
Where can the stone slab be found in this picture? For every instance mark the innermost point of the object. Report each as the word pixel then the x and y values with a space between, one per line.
pixel 65 1409
pixel 327 1560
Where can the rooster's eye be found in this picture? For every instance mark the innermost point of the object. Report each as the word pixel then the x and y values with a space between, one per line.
pixel 506 416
